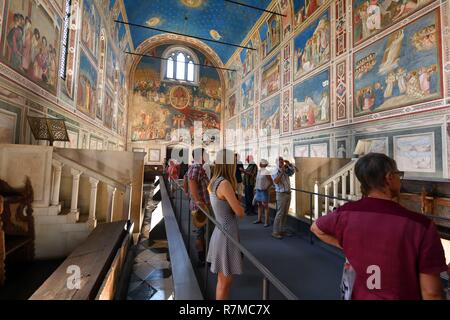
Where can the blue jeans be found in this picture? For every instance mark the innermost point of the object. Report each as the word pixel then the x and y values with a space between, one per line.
pixel 248 191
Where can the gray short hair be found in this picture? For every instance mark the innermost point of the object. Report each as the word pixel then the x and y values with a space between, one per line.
pixel 372 169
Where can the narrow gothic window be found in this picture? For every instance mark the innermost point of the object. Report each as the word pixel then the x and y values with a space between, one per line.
pixel 180 64
pixel 170 68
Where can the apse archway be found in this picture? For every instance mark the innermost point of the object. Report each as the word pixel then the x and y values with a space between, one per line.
pixel 169 39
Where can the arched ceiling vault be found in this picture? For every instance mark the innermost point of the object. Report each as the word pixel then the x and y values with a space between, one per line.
pixel 211 19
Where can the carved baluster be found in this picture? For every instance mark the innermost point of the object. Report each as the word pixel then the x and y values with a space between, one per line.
pixel 111 197
pixel 316 200
pixel 344 187
pixel 92 221
pixel 327 200
pixel 56 184
pixel 335 191
pixel 75 189
pixel 352 184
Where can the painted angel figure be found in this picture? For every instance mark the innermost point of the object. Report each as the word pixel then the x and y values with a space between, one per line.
pixel 392 53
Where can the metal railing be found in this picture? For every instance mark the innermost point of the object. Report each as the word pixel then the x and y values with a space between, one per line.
pixel 311 194
pixel 268 277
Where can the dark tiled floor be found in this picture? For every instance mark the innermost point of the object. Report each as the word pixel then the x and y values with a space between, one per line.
pixel 151 277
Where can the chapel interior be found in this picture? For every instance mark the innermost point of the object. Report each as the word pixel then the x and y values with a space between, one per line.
pixel 96 96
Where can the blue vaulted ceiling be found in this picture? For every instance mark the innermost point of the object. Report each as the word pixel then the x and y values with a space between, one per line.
pixel 231 22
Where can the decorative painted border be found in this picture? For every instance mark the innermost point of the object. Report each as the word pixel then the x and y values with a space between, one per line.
pixel 341 27
pixel 286 106
pixel 341 90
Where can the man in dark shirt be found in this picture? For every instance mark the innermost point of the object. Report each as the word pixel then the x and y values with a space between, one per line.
pixel 249 184
pixel 396 253
pixel 239 168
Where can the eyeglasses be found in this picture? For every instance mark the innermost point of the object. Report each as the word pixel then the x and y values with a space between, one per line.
pixel 401 174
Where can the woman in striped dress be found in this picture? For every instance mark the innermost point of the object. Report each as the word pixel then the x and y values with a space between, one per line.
pixel 224 256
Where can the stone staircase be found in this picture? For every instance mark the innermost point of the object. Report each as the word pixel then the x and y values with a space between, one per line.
pixel 60 228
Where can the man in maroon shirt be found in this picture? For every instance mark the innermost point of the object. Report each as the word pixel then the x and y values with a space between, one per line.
pixel 396 253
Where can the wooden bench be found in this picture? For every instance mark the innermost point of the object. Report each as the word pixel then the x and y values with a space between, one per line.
pixel 16 225
pixel 99 258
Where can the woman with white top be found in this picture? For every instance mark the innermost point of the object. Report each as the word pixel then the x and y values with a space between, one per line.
pixel 263 183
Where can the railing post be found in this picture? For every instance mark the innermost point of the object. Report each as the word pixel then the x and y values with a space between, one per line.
pixel 344 187
pixel 327 200
pixel 92 221
pixel 57 170
pixel 127 202
pixel 206 254
pixel 189 229
pixel 111 199
pixel 352 184
pixel 316 200
pixel 179 211
pixel 75 189
pixel 335 191
pixel 310 217
pixel 265 289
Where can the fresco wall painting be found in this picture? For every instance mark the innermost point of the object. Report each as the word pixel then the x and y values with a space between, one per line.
pixel 401 69
pixel 312 46
pixel 341 149
pixel 87 86
pixel 319 150
pixel 160 108
pixel 247 59
pixel 371 17
pixel 8 122
pixel 379 145
pixel 301 151
pixel 248 124
pixel 270 35
pixel 312 101
pixel 230 110
pixel 270 77
pixel 270 117
pixel 108 110
pixel 303 9
pixel 31 42
pixel 248 92
pixel 287 19
pixel 415 153
pixel 90 28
